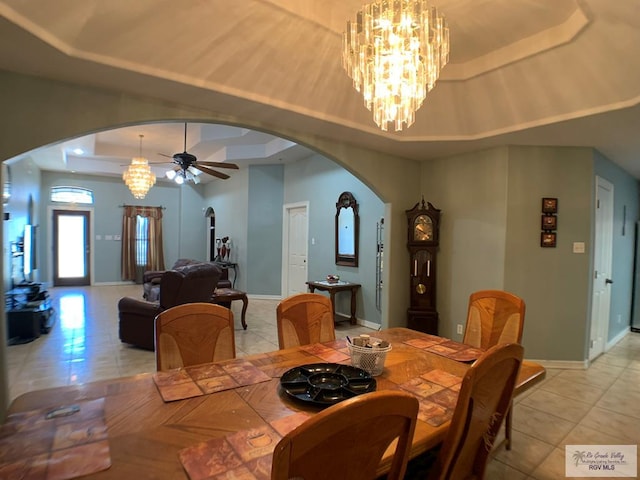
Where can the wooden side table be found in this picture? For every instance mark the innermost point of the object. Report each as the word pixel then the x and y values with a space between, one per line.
pixel 228 295
pixel 334 288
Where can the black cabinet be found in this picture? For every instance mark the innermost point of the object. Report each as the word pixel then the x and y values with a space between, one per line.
pixel 29 313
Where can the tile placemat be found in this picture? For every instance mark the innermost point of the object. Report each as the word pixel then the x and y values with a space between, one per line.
pixel 246 454
pixel 437 391
pixel 447 348
pixel 331 354
pixel 204 379
pixel 33 446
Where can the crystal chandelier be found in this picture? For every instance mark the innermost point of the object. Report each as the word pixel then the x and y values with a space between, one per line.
pixel 394 52
pixel 139 177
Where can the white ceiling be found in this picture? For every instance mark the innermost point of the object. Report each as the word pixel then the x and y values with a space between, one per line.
pixel 528 72
pixel 111 151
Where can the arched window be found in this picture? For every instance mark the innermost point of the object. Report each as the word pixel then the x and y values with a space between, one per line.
pixel 72 195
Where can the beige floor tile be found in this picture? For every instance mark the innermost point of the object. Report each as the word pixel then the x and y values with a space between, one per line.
pixel 497 470
pixel 601 378
pixel 614 360
pixel 541 425
pixel 623 400
pixel 612 423
pixel 563 407
pixel 553 467
pixel 577 391
pixel 635 364
pixel 526 452
pixel 582 435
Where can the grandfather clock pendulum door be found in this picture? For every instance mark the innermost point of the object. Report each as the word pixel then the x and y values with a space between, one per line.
pixel 423 226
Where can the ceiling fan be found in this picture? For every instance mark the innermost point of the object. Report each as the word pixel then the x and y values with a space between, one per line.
pixel 185 162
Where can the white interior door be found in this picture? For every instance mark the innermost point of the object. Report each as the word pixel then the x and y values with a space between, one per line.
pixel 602 268
pixel 295 249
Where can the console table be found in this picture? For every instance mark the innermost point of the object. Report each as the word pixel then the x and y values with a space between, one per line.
pixel 334 288
pixel 226 266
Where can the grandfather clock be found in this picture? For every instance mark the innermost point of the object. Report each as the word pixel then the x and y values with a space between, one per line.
pixel 423 226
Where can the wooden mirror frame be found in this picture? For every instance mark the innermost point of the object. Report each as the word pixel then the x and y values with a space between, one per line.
pixel 347 200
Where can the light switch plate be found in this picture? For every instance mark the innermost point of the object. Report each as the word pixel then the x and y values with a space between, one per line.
pixel 578 247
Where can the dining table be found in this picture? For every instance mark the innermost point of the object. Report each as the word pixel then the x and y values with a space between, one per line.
pixel 166 424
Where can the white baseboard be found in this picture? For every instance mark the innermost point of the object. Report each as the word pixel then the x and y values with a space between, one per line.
pixel 612 343
pixel 584 364
pixel 263 297
pixel 372 325
pixel 564 364
pixel 121 283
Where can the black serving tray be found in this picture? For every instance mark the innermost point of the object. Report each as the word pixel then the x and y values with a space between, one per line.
pixel 325 384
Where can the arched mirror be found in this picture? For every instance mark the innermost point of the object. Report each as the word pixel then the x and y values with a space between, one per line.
pixel 347 225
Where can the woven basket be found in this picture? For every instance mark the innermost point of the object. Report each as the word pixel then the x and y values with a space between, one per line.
pixel 370 359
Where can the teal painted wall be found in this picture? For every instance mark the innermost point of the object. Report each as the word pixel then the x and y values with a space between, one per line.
pixel 264 234
pixel 183 220
pixel 320 182
pixel 25 190
pixel 625 214
pixel 554 282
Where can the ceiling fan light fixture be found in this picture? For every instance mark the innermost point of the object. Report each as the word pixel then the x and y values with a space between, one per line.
pixel 139 177
pixel 393 52
pixel 188 168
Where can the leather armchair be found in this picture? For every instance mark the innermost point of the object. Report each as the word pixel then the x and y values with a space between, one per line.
pixel 187 284
pixel 151 279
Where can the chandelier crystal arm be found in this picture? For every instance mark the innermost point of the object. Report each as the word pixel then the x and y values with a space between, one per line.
pixel 394 51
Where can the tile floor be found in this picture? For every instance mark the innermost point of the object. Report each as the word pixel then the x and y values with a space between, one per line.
pixel 600 405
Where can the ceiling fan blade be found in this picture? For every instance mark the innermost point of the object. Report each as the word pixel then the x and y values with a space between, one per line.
pixel 165 155
pixel 210 171
pixel 218 165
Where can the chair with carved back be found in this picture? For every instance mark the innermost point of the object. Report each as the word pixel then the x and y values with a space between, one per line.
pixel 192 334
pixel 347 440
pixel 303 319
pixel 483 402
pixel 495 317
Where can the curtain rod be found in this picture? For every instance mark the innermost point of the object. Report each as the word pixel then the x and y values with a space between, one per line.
pixel 142 206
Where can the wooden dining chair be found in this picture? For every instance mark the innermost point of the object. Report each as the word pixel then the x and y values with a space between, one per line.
pixel 495 317
pixel 347 440
pixel 303 319
pixel 483 402
pixel 194 333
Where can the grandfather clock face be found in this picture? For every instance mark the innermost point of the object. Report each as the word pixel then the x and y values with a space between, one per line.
pixel 422 228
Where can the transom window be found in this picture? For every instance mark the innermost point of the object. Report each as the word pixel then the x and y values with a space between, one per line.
pixel 72 195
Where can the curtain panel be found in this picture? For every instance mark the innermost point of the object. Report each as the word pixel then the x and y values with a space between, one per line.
pixel 155 249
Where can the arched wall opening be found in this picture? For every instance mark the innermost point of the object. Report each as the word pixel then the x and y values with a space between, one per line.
pixel 45 112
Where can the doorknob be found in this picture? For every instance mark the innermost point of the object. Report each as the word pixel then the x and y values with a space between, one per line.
pixel 608 280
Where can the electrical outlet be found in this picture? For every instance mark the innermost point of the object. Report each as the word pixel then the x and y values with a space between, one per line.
pixel 459 329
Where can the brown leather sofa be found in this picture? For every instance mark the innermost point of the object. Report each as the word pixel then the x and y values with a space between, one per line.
pixel 186 284
pixel 151 279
